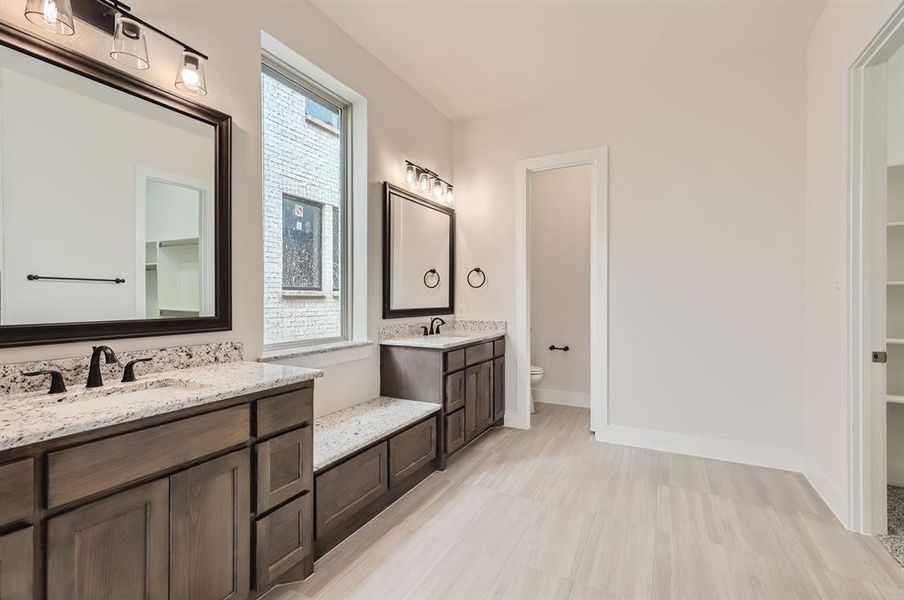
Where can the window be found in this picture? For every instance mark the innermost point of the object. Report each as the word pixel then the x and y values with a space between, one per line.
pixel 305 190
pixel 302 252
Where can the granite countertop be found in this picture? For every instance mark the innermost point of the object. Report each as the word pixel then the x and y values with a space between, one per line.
pixel 32 417
pixel 343 432
pixel 443 341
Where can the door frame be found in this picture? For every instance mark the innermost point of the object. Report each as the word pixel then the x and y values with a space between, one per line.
pixel 598 159
pixel 867 452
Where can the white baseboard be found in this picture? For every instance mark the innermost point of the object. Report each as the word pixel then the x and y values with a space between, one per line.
pixel 895 474
pixel 827 490
pixel 705 447
pixel 562 398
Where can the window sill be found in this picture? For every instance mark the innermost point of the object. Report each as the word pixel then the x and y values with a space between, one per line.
pixel 322 355
pixel 321 124
pixel 304 294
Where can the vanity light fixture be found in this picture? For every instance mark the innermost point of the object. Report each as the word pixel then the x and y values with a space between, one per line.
pixel 130 44
pixel 130 47
pixel 426 181
pixel 54 16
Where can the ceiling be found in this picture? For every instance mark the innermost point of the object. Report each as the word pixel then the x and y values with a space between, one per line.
pixel 476 57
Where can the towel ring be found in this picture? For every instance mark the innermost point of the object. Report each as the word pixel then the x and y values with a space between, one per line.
pixel 437 279
pixel 479 272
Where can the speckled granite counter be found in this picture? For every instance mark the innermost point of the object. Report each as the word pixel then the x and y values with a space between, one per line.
pixel 33 417
pixel 343 432
pixel 443 341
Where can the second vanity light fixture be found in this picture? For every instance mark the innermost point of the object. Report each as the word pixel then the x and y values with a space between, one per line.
pixel 130 47
pixel 427 181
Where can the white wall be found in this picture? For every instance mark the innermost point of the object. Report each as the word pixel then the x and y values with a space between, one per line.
pixel 705 234
pixel 401 125
pixel 560 282
pixel 839 36
pixel 69 182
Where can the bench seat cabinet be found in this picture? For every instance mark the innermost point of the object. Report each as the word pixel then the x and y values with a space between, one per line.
pixel 164 507
pixel 469 383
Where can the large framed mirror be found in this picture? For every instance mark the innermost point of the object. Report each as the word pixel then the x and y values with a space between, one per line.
pixel 115 202
pixel 418 255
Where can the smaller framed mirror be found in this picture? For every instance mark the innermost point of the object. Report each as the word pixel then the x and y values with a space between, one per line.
pixel 418 255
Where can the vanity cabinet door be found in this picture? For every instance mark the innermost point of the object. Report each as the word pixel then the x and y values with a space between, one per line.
pixel 17 565
pixel 210 530
pixel 284 468
pixel 498 388
pixel 455 391
pixel 478 399
pixel 455 431
pixel 112 549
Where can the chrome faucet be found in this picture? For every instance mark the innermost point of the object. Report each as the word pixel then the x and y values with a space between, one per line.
pixel 438 325
pixel 95 379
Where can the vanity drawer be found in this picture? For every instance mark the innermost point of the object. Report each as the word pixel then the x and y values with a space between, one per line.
pixel 499 347
pixel 349 487
pixel 455 360
pixel 455 391
pixel 284 538
pixel 284 467
pixel 479 353
pixel 17 491
pixel 411 450
pixel 91 468
pixel 285 411
pixel 455 431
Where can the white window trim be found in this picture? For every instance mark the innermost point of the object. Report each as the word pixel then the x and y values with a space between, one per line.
pixel 357 202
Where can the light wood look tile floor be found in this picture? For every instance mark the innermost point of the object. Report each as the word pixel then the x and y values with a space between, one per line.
pixel 549 513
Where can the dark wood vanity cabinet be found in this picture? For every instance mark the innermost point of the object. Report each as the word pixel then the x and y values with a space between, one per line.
pixel 468 381
pixel 166 510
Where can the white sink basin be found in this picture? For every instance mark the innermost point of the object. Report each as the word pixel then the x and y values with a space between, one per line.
pixel 119 394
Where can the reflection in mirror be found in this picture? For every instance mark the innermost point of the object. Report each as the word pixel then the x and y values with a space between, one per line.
pixel 98 184
pixel 420 266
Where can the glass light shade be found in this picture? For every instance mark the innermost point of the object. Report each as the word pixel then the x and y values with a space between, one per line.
pixel 438 189
pixel 51 15
pixel 411 174
pixel 191 77
pixel 130 44
pixel 449 195
pixel 423 182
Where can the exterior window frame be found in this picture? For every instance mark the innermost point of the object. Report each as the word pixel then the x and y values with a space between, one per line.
pixel 352 295
pixel 307 202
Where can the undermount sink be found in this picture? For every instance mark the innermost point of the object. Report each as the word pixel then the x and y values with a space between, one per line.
pixel 94 398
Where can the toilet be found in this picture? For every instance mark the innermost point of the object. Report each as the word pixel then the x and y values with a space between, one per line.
pixel 536 376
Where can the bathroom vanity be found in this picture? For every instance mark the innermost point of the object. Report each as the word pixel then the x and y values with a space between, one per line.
pixel 185 481
pixel 464 372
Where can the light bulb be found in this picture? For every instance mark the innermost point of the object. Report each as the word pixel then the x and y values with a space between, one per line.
pixel 449 195
pixel 191 76
pixel 51 13
pixel 411 174
pixel 54 16
pixel 423 182
pixel 437 189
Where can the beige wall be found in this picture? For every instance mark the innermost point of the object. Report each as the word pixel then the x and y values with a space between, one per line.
pixel 401 125
pixel 560 282
pixel 706 249
pixel 839 36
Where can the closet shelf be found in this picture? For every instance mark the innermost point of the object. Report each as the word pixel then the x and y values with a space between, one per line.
pixel 894 399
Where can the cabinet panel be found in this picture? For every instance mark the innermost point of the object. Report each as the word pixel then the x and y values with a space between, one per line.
pixel 455 391
pixel 284 468
pixel 455 431
pixel 285 537
pixel 17 489
pixel 285 411
pixel 348 488
pixel 498 388
pixel 411 449
pixel 90 468
pixel 112 549
pixel 17 565
pixel 478 399
pixel 210 530
pixel 478 353
pixel 455 360
pixel 499 347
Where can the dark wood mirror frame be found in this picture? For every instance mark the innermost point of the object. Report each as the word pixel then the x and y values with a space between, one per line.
pixel 398 313
pixel 52 333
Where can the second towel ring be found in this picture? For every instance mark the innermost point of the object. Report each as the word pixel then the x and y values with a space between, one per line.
pixel 437 279
pixel 480 272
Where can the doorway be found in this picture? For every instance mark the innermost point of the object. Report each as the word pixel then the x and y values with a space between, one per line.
pixel 595 161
